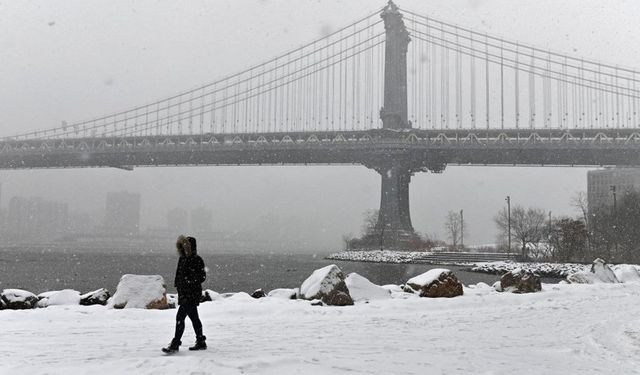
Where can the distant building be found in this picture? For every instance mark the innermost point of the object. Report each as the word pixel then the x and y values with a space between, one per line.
pixel 602 183
pixel 201 221
pixel 35 219
pixel 178 221
pixel 122 216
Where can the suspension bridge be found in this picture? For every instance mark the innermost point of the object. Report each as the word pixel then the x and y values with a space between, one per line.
pixel 396 91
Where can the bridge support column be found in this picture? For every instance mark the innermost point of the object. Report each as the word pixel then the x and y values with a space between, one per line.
pixel 394 229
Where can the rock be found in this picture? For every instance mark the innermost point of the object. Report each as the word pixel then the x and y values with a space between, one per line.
pixel 258 293
pixel 361 289
pixel 600 273
pixel 327 284
pixel 520 281
pixel 283 293
pixel 583 278
pixel 435 283
pixel 498 286
pixel 316 302
pixel 2 306
pixel 603 271
pixel 172 300
pixel 60 297
pixel 627 273
pixel 209 295
pixel 141 292
pixel 97 297
pixel 18 299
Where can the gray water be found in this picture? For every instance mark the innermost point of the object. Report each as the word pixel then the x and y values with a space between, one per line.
pixel 40 270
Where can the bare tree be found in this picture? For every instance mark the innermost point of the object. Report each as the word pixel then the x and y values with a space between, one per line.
pixel 454 226
pixel 370 221
pixel 527 225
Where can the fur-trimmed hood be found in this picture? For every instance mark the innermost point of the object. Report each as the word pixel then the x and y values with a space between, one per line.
pixel 186 246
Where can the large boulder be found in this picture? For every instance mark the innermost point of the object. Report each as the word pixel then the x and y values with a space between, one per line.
pixel 18 299
pixel 600 273
pixel 603 271
pixel 59 297
pixel 140 292
pixel 520 281
pixel 361 289
pixel 283 293
pixel 327 284
pixel 438 282
pixel 627 273
pixel 97 297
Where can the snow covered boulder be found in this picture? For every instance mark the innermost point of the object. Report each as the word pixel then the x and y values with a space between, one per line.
pixel 258 293
pixel 327 284
pixel 627 273
pixel 361 289
pixel 172 300
pixel 97 297
pixel 209 295
pixel 520 281
pixel 60 297
pixel 283 293
pixel 18 299
pixel 438 282
pixel 603 271
pixel 600 273
pixel 140 292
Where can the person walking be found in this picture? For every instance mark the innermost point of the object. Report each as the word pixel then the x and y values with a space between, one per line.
pixel 190 275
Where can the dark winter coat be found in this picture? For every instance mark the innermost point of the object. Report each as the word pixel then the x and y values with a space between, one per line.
pixel 190 273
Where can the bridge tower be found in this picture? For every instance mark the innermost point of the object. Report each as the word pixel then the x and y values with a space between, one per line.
pixel 394 228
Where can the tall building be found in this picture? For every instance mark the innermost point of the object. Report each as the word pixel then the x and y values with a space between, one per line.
pixel 603 183
pixel 178 221
pixel 122 216
pixel 201 221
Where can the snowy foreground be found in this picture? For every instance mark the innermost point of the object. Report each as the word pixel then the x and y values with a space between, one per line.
pixel 565 329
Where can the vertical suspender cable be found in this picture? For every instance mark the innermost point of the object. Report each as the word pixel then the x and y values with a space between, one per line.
pixel 517 87
pixel 486 76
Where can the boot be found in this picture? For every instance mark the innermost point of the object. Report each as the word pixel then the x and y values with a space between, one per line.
pixel 201 344
pixel 173 347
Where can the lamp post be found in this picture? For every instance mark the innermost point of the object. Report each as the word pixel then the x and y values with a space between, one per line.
pixel 509 223
pixel 462 229
pixel 615 219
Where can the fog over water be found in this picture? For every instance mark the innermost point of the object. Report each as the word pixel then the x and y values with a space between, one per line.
pixel 73 60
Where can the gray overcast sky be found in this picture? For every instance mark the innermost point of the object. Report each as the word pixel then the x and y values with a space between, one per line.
pixel 76 59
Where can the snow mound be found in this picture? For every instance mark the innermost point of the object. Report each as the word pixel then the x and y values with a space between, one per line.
pixel 327 284
pixel 583 277
pixel 140 292
pixel 240 296
pixel 627 273
pixel 393 288
pixel 60 297
pixel 361 289
pixel 18 299
pixel 283 293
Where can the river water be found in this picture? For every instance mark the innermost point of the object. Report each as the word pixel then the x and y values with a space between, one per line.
pixel 43 269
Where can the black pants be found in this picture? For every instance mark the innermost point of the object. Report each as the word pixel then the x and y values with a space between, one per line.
pixel 190 310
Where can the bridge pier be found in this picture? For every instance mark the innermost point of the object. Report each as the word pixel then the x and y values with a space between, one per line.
pixel 394 228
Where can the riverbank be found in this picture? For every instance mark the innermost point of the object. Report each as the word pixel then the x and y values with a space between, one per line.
pixel 481 332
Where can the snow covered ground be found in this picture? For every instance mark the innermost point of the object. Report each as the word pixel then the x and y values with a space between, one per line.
pixel 565 329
